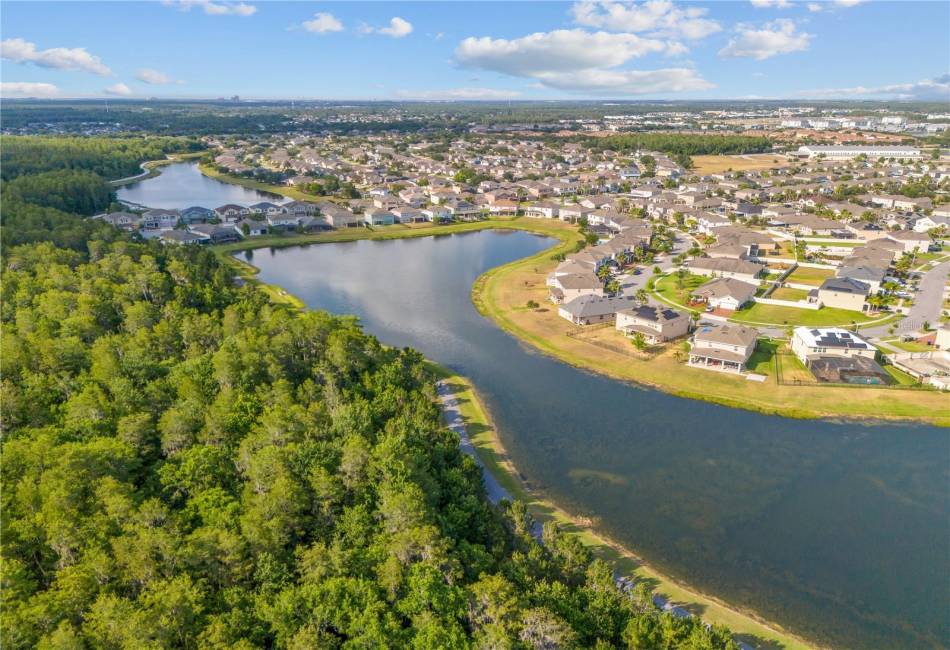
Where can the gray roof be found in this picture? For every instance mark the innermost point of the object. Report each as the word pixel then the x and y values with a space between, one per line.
pixel 845 285
pixel 727 334
pixel 590 306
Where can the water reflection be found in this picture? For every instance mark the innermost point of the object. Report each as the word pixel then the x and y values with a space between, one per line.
pixel 181 185
pixel 838 531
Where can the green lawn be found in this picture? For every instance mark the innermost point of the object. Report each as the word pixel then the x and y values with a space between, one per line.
pixel 901 378
pixel 814 277
pixel 762 360
pixel 792 295
pixel 668 287
pixel 911 346
pixel 824 317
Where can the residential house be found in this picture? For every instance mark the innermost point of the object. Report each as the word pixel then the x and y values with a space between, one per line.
pixel 565 288
pixel 215 233
pixel 591 309
pixel 408 215
pixel 726 347
pixel 543 209
pixel 182 237
pixel 197 214
pixel 159 219
pixel 250 227
pixel 231 212
pixel 844 293
pixel 655 324
pixel 266 208
pixel 123 220
pixel 829 341
pixel 727 268
pixel 377 217
pixel 725 293
pixel 300 208
pixel 910 240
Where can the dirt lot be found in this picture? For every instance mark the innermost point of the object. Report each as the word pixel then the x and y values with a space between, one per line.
pixel 747 162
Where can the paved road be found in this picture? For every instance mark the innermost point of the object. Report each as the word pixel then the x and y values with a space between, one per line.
pixel 927 303
pixel 632 283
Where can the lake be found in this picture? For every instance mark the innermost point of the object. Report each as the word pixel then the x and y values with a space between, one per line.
pixel 181 185
pixel 838 531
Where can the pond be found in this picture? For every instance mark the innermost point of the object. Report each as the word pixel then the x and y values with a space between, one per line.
pixel 838 531
pixel 182 185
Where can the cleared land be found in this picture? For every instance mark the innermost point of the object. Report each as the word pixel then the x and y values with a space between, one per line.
pixel 738 163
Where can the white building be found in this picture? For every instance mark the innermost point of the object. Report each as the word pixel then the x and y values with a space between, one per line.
pixel 848 152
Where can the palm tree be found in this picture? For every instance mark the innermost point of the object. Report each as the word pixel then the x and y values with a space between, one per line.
pixel 641 295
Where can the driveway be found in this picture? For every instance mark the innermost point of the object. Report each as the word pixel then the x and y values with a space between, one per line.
pixel 632 283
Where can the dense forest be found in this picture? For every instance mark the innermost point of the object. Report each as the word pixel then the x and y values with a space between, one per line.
pixel 111 158
pixel 186 465
pixel 677 144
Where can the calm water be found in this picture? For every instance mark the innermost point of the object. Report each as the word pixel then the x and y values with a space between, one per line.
pixel 839 531
pixel 181 185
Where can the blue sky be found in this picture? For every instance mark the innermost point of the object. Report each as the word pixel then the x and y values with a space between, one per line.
pixel 477 50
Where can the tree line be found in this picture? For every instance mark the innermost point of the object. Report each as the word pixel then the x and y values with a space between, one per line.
pixel 681 144
pixel 110 158
pixel 187 465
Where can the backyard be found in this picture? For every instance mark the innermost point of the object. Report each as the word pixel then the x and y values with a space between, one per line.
pixel 809 276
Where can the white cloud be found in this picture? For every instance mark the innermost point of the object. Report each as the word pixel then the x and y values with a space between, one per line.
pixel 561 50
pixel 27 89
pixel 154 77
pixel 61 58
pixel 657 17
pixel 579 61
pixel 936 89
pixel 118 89
pixel 848 3
pixel 215 8
pixel 774 38
pixel 459 94
pixel 814 7
pixel 398 27
pixel 766 4
pixel 323 23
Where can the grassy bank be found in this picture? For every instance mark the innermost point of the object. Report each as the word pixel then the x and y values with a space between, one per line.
pixel 250 183
pixel 490 450
pixel 154 167
pixel 501 294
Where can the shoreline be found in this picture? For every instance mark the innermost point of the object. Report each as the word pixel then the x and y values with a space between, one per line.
pixel 492 456
pixel 746 625
pixel 554 342
pixel 863 404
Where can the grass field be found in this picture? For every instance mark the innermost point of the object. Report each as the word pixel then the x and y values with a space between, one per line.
pixel 805 275
pixel 792 295
pixel 668 287
pixel 747 162
pixel 782 316
pixel 492 453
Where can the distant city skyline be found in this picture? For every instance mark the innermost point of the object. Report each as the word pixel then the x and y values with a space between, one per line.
pixel 758 49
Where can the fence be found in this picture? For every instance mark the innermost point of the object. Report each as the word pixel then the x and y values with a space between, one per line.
pixel 584 334
pixel 814 383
